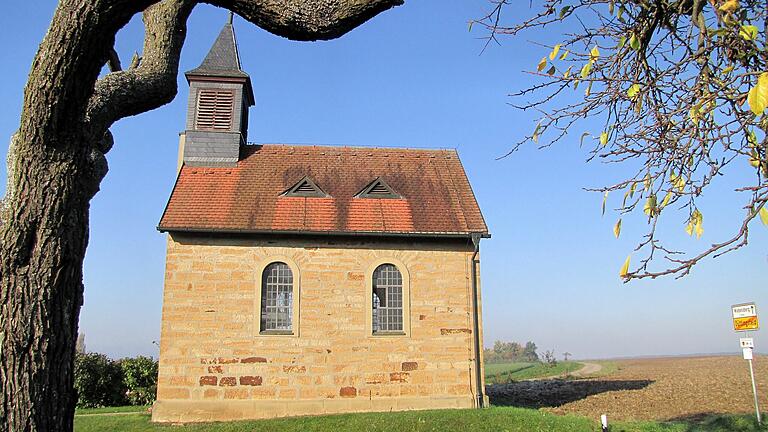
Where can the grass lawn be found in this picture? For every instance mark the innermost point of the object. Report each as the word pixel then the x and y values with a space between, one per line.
pixel 109 410
pixel 496 373
pixel 495 419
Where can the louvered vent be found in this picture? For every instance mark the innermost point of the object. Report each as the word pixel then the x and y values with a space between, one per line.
pixel 214 109
pixel 305 188
pixel 378 189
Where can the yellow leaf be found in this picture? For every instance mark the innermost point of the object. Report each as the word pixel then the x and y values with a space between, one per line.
pixel 617 228
pixel 554 52
pixel 689 228
pixel 757 98
pixel 748 32
pixel 542 64
pixel 764 215
pixel 699 230
pixel 567 72
pixel 625 268
pixel 666 199
pixel 564 55
pixel 754 159
pixel 633 90
pixel 647 182
pixel 586 69
pixel 604 138
pixel 594 54
pixel 730 6
pixel 650 205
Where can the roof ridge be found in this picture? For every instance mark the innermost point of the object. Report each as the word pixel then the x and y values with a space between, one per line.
pixel 353 147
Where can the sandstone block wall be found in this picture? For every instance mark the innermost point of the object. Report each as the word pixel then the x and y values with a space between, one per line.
pixel 215 365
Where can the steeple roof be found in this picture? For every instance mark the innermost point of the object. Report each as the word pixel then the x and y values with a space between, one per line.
pixel 223 59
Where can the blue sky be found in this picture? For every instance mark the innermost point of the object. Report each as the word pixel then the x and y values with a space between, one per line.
pixel 412 77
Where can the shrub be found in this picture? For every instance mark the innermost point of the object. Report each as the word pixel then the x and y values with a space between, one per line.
pixel 140 379
pixel 98 381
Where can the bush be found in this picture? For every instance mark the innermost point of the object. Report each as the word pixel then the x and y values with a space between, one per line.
pixel 140 379
pixel 103 382
pixel 98 381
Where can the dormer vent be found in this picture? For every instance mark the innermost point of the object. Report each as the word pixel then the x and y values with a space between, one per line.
pixel 214 109
pixel 305 188
pixel 378 189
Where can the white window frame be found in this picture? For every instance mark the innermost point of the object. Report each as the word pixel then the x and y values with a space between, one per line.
pixel 406 300
pixel 296 298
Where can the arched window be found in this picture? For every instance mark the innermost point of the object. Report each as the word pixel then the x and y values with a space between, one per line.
pixel 387 299
pixel 277 298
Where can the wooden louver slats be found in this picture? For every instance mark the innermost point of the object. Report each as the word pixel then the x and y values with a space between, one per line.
pixel 215 109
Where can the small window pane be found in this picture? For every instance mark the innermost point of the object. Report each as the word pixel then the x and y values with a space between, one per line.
pixel 387 299
pixel 277 298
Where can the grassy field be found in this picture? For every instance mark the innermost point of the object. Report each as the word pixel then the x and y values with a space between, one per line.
pixel 496 373
pixel 491 420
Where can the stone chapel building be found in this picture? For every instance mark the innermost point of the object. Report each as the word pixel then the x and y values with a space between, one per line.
pixel 312 279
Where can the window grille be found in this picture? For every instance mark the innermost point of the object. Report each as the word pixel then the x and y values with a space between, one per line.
pixel 277 298
pixel 214 109
pixel 387 299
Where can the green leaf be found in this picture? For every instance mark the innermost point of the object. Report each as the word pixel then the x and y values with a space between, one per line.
pixel 634 42
pixel 622 42
pixel 564 11
pixel 605 198
pixel 581 143
pixel 633 90
pixel 551 71
pixel 554 52
pixel 625 268
pixel 470 25
pixel 748 32
pixel 542 64
pixel 617 228
pixel 535 136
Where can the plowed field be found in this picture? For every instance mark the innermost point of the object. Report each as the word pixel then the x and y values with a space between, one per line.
pixel 648 389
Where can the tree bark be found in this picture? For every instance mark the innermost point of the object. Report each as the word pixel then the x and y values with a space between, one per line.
pixel 56 162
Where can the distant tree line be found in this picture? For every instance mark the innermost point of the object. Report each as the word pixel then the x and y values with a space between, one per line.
pixel 511 352
pixel 102 382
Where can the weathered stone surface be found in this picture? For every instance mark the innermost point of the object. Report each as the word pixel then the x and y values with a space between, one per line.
pixel 250 380
pixel 228 381
pixel 208 380
pixel 409 366
pixel 330 350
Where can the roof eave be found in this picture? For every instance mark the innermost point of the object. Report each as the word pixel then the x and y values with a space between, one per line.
pixel 324 233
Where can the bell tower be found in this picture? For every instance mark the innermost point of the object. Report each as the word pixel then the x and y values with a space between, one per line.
pixel 220 94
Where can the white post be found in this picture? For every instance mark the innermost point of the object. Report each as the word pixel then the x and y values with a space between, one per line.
pixel 754 391
pixel 604 422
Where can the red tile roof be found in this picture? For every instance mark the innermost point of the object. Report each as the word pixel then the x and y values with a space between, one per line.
pixel 436 196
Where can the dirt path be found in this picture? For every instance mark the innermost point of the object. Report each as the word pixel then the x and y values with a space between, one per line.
pixel 588 369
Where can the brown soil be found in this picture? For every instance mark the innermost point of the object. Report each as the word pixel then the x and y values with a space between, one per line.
pixel 648 389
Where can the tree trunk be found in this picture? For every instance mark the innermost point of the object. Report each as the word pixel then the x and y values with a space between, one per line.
pixel 56 162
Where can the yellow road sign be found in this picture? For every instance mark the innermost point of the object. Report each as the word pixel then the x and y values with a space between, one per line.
pixel 745 323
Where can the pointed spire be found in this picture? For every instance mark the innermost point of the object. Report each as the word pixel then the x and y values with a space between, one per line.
pixel 222 60
pixel 231 17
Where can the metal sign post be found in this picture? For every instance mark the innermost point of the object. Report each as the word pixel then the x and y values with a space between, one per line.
pixel 745 319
